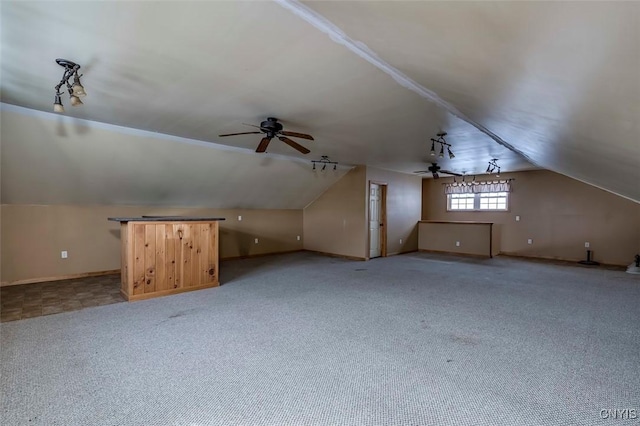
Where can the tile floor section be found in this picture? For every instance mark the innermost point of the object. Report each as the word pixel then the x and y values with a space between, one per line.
pixel 34 300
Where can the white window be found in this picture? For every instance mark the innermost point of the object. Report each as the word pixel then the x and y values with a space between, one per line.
pixel 460 201
pixel 483 201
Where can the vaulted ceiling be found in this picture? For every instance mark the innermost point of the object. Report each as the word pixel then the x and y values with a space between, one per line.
pixel 534 84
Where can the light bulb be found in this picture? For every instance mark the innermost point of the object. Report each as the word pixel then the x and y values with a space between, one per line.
pixel 441 155
pixel 75 101
pixel 433 148
pixel 450 153
pixel 77 87
pixel 78 90
pixel 57 104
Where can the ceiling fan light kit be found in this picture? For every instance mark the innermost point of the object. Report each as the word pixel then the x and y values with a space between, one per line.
pixel 76 90
pixel 272 128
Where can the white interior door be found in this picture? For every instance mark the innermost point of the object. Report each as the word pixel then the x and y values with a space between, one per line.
pixel 374 220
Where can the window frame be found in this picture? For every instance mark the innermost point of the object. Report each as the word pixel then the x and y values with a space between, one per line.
pixel 477 197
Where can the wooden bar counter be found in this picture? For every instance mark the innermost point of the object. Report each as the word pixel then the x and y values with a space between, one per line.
pixel 168 255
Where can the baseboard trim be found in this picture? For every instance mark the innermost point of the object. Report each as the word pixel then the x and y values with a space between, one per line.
pixel 564 261
pixel 341 256
pixel 60 278
pixel 455 253
pixel 145 296
pixel 398 253
pixel 117 271
pixel 251 256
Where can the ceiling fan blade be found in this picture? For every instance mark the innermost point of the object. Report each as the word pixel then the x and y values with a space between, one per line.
pixel 296 135
pixel 294 145
pixel 252 125
pixel 450 172
pixel 264 143
pixel 242 133
pixel 422 171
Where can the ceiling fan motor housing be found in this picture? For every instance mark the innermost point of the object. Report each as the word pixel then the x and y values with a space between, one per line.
pixel 271 125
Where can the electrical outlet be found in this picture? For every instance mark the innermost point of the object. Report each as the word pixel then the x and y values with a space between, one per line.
pixel 586 245
pixel 517 218
pixel 239 218
pixel 298 237
pixel 529 241
pixel 400 240
pixel 64 254
pixel 256 241
pixel 457 243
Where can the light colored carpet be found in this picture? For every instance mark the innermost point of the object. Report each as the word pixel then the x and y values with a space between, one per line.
pixel 302 339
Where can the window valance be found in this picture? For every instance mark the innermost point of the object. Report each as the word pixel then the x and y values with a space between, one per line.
pixel 477 187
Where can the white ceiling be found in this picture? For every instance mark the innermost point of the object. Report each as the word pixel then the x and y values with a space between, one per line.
pixel 536 84
pixel 48 159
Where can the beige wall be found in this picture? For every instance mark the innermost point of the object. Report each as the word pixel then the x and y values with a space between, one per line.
pixel 404 198
pixel 558 213
pixel 335 222
pixel 473 238
pixel 34 236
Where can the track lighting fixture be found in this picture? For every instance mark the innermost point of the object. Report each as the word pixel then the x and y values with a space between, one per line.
pixel 493 167
pixel 324 160
pixel 76 90
pixel 442 143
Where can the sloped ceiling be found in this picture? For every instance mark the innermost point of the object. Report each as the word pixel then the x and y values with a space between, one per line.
pixel 533 84
pixel 128 167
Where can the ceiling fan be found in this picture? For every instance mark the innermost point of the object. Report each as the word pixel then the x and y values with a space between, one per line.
pixel 273 129
pixel 434 169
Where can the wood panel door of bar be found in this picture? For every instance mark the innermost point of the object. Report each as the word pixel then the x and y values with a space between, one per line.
pixel 161 258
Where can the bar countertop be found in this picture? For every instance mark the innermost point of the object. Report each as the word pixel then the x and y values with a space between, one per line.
pixel 166 219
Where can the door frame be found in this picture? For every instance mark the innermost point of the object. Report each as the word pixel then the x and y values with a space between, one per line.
pixel 383 217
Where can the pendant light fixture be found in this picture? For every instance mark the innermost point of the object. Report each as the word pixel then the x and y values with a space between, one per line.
pixel 493 167
pixel 76 90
